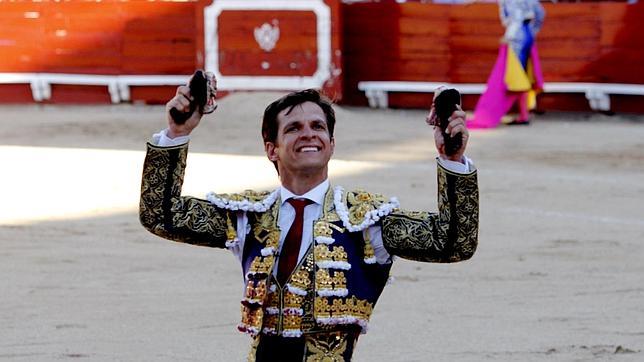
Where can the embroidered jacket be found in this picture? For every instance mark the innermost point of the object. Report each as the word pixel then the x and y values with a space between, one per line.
pixel 337 282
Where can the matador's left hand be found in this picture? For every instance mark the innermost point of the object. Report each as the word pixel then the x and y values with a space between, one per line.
pixel 455 126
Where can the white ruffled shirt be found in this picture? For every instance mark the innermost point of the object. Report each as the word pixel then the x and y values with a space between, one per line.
pixel 312 212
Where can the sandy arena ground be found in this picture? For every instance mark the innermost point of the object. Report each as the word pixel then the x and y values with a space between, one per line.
pixel 558 276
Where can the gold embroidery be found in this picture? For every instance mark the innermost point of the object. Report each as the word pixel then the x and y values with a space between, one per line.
pixel 340 307
pixel 339 254
pixel 266 230
pixel 332 216
pixel 273 238
pixel 326 347
pixel 322 228
pixel 273 300
pixel 250 195
pixel 262 265
pixel 361 203
pixel 336 227
pixel 252 317
pixel 255 291
pixel 323 280
pixel 358 212
pixel 339 280
pixel 308 319
pixel 426 236
pixel 259 273
pixel 369 252
pixel 324 254
pixel 270 323
pixel 231 233
pixel 252 353
pixel 360 196
pixel 329 213
pixel 292 300
pixel 165 213
pixel 322 308
pixel 300 279
pixel 292 322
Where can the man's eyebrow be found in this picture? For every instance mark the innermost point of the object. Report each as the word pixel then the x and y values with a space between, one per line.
pixel 292 122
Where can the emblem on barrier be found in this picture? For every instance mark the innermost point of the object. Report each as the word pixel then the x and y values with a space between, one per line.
pixel 267 35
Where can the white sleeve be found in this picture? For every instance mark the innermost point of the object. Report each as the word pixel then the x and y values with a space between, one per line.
pixel 243 228
pixel 382 255
pixel 161 139
pixel 464 167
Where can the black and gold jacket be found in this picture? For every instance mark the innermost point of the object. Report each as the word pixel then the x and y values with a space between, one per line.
pixel 338 282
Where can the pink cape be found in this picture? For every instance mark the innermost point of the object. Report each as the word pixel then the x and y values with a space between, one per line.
pixel 496 101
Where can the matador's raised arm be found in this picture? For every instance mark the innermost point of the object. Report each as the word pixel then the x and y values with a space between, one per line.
pixel 448 236
pixel 164 212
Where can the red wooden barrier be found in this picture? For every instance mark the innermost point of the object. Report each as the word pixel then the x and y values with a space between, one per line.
pixel 110 38
pixel 580 42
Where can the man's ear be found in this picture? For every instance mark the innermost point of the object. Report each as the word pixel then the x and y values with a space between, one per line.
pixel 332 144
pixel 269 147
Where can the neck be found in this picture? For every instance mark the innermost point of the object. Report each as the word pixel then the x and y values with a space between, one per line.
pixel 302 184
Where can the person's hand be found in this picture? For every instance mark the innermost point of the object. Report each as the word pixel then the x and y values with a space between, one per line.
pixel 455 126
pixel 181 102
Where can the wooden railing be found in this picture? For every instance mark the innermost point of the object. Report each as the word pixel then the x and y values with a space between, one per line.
pixel 597 94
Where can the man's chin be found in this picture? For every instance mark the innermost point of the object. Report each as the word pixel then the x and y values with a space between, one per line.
pixel 311 166
pixel 311 158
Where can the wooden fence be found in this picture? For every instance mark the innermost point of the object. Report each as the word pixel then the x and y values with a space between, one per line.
pixel 412 41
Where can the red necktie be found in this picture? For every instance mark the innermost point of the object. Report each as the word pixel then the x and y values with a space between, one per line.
pixel 291 247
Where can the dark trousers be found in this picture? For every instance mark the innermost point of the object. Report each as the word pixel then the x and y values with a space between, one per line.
pixel 330 346
pixel 271 349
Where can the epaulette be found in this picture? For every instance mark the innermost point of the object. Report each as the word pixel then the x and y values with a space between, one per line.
pixel 359 209
pixel 249 200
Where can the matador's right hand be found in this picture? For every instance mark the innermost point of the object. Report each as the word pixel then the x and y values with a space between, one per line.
pixel 181 101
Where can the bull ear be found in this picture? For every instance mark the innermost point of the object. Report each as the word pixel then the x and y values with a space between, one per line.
pixel 271 151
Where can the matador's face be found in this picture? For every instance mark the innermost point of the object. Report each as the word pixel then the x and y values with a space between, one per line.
pixel 303 145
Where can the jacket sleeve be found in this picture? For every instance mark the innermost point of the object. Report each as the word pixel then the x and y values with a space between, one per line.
pixel 448 236
pixel 164 212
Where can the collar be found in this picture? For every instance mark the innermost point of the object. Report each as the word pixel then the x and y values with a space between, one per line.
pixel 316 194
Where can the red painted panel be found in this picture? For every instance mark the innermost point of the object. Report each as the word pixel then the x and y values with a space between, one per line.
pixel 159 38
pixel 152 94
pixel 435 12
pixel 489 27
pixel 20 34
pixel 294 52
pixel 15 93
pixel 580 42
pixel 78 94
pixel 81 37
pixel 152 37
pixel 626 104
pixel 414 100
pixel 563 102
pixel 598 42
pixel 110 37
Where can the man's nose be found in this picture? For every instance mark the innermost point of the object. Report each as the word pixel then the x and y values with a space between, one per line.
pixel 307 132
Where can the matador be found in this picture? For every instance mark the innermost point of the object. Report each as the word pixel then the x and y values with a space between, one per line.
pixel 314 257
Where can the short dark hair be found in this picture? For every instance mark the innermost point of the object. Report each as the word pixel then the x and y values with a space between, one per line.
pixel 289 101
